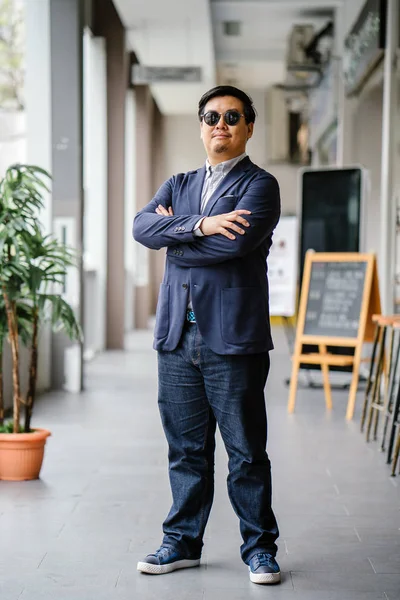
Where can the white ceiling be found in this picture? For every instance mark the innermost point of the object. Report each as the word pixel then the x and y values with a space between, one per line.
pixel 257 58
pixel 190 33
pixel 172 33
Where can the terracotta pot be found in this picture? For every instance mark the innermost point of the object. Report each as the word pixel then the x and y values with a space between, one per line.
pixel 21 454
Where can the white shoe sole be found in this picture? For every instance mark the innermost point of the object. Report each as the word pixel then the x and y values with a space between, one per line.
pixel 150 569
pixel 265 578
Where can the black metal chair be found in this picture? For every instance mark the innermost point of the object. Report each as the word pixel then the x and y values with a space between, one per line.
pixel 372 369
pixel 393 409
pixel 381 396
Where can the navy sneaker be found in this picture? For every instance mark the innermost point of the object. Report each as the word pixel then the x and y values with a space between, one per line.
pixel 165 560
pixel 263 568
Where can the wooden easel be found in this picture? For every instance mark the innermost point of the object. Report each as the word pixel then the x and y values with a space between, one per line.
pixel 370 305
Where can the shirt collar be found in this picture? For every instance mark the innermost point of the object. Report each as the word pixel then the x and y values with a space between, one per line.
pixel 226 166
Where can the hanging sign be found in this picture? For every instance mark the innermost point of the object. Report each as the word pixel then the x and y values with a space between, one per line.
pixel 364 46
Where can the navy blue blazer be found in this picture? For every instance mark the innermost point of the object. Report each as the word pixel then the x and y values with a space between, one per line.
pixel 227 279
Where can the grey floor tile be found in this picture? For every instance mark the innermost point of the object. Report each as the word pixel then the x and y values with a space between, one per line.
pixel 285 592
pixel 337 582
pixel 78 532
pixel 17 560
pixel 87 538
pixel 11 588
pixel 320 536
pixel 308 527
pixel 183 585
pixel 388 536
pixel 384 559
pixel 50 591
pixel 335 562
pixel 70 574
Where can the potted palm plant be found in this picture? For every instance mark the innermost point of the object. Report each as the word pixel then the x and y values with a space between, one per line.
pixel 33 268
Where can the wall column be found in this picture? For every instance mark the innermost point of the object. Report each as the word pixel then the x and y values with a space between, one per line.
pixel 388 203
pixel 107 24
pixel 38 129
pixel 66 52
pixel 144 193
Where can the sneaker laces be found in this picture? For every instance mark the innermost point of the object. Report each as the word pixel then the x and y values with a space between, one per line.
pixel 163 552
pixel 264 560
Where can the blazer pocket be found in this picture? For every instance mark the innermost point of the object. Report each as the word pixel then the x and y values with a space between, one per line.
pixel 162 313
pixel 244 315
pixel 225 204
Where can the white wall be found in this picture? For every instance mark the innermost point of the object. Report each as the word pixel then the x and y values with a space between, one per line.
pixel 367 144
pixel 183 148
pixel 38 91
pixel 12 138
pixel 257 145
pixel 287 176
pixel 95 186
pixel 38 129
pixel 130 208
pixel 351 10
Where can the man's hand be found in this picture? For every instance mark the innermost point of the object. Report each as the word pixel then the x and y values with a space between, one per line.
pixel 160 210
pixel 223 223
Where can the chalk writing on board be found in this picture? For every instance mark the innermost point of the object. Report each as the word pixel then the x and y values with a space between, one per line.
pixel 335 298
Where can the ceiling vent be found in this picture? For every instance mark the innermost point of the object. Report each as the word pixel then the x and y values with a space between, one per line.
pixel 142 75
pixel 232 28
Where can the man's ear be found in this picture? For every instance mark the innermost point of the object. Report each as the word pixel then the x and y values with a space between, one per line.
pixel 250 129
pixel 201 130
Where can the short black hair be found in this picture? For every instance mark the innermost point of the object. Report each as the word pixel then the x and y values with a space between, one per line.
pixel 229 90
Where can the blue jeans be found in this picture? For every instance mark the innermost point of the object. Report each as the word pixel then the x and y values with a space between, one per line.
pixel 197 389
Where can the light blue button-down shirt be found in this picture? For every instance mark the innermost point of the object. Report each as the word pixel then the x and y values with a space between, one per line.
pixel 214 176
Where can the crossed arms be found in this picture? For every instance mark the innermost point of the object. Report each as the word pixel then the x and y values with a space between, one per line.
pixel 157 227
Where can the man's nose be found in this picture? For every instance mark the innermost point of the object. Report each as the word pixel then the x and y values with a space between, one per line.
pixel 221 123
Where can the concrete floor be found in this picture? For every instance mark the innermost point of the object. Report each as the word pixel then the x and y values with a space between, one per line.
pixel 77 533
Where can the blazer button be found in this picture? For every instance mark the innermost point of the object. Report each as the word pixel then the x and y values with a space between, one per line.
pixel 183 229
pixel 185 286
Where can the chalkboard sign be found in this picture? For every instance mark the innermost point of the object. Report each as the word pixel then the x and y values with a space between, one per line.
pixel 334 300
pixel 339 295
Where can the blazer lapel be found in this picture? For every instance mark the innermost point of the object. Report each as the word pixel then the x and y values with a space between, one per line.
pixel 233 176
pixel 194 189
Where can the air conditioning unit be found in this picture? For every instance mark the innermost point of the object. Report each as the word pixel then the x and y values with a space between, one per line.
pixel 300 37
pixel 307 55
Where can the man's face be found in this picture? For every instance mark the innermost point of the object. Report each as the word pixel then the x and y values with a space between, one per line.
pixel 221 141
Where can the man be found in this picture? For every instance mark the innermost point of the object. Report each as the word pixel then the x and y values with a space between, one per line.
pixel 213 338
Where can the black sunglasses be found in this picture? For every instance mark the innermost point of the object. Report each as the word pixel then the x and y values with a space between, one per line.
pixel 212 117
